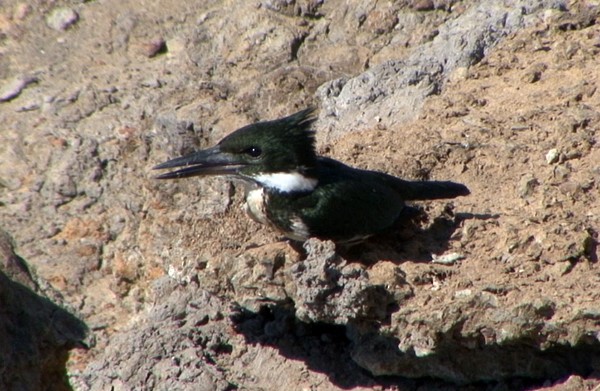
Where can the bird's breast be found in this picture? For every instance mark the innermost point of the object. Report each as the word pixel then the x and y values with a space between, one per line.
pixel 256 205
pixel 285 221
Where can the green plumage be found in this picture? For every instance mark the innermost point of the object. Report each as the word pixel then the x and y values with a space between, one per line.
pixel 351 204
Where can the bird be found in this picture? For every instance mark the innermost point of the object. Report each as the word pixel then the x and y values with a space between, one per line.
pixel 301 194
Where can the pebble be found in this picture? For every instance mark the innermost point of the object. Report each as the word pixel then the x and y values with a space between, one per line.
pixel 153 47
pixel 527 185
pixel 423 5
pixel 62 18
pixel 552 156
pixel 447 259
pixel 29 106
pixel 151 83
pixel 463 293
pixel 534 73
pixel 13 88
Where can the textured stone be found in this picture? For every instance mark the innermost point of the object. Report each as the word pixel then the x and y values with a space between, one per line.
pixel 62 18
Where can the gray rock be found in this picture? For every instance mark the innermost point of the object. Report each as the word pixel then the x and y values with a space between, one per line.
pixel 328 289
pixel 392 93
pixel 172 348
pixel 62 18
pixel 12 88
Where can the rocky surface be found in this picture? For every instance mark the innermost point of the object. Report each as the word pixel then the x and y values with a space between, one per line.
pixel 182 291
pixel 35 332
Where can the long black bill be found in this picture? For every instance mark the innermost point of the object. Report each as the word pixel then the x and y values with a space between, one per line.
pixel 209 161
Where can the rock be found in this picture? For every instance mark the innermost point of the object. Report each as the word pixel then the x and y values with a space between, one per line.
pixel 153 47
pixel 534 73
pixel 423 5
pixel 552 156
pixel 14 87
pixel 328 289
pixel 184 291
pixel 527 185
pixel 171 347
pixel 400 86
pixel 447 259
pixel 34 354
pixel 62 18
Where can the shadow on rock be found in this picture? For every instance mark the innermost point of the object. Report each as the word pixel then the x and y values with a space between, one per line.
pixel 351 359
pixel 338 321
pixel 467 362
pixel 324 348
pixel 413 238
pixel 36 333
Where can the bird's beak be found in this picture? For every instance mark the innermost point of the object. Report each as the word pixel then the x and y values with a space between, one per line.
pixel 209 161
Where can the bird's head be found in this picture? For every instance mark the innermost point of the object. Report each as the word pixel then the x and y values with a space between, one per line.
pixel 277 154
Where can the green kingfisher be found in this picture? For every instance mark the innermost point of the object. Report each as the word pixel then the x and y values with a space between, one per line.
pixel 301 194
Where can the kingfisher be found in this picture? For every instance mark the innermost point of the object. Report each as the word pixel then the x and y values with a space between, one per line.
pixel 301 194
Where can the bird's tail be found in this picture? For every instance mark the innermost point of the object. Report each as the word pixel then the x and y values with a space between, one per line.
pixel 432 190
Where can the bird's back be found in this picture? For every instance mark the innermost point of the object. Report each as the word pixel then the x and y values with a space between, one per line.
pixel 351 204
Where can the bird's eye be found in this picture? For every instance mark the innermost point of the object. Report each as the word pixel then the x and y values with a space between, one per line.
pixel 253 151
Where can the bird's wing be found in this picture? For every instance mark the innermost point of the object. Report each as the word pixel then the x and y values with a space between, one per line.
pixel 349 209
pixel 407 190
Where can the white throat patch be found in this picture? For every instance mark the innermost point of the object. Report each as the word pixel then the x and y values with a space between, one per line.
pixel 286 182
